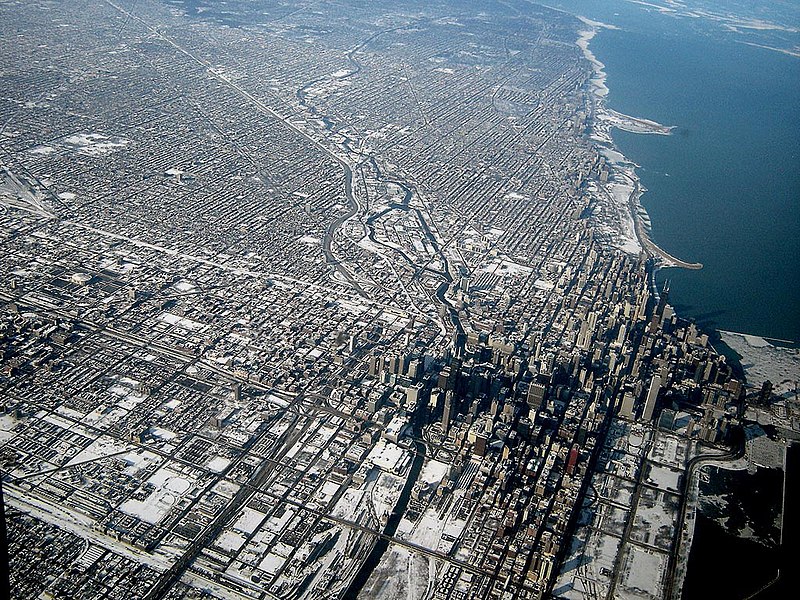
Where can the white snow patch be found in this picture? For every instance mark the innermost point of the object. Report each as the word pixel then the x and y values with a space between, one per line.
pixel 189 324
pixel 249 520
pixel 218 464
pixel 95 144
pixel 102 446
pixel 169 488
pixel 231 540
pixel 42 150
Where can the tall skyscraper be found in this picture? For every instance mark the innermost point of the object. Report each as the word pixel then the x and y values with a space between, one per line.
pixel 652 396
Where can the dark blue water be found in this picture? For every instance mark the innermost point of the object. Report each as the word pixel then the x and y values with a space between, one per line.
pixel 724 189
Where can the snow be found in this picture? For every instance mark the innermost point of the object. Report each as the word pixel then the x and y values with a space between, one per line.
pixel 428 530
pixel 169 488
pixel 172 319
pixel 218 464
pixel 95 144
pixel 652 520
pixel 42 150
pixel 228 489
pixel 104 416
pixel 179 485
pixel 396 426
pixel 516 196
pixel 54 419
pixel 385 493
pixel 764 452
pixel 590 562
pixel 279 402
pixel 102 446
pixel 118 390
pixel 249 520
pixel 271 563
pixel 763 360
pixel 283 549
pixel 598 81
pixel 79 525
pixel 328 490
pixel 7 422
pixel 633 124
pixel 277 524
pixel 389 456
pixel 622 192
pixel 163 434
pixel 184 286
pixel 433 472
pixel 401 574
pixel 231 540
pixel 131 400
pixel 504 266
pixel 138 460
pixel 616 198
pixel 348 504
pixel 643 571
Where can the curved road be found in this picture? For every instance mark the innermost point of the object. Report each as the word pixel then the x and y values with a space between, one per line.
pixel 677 550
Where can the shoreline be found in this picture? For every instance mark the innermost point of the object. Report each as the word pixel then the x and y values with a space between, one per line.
pixel 624 190
pixel 759 359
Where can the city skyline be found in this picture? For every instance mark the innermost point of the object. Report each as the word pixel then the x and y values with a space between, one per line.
pixel 339 300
